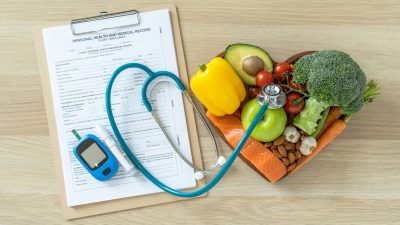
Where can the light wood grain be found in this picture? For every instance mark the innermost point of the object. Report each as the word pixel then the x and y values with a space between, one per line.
pixel 356 180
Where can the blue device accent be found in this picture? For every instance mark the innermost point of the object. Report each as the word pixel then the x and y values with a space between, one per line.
pixel 96 157
pixel 136 162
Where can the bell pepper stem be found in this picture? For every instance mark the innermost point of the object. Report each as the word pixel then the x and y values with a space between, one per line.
pixel 203 67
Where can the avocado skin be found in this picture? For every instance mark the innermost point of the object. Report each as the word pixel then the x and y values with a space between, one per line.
pixel 235 54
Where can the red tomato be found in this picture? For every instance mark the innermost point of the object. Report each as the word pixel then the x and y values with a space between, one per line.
pixel 295 86
pixel 293 106
pixel 280 70
pixel 253 92
pixel 263 78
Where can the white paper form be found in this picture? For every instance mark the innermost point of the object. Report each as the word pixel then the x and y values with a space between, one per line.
pixel 80 67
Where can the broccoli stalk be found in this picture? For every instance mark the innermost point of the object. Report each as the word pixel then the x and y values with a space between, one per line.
pixel 321 122
pixel 308 118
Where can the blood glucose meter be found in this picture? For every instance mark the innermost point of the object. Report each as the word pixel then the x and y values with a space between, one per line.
pixel 95 157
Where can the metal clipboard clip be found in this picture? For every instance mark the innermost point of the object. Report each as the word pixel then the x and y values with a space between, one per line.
pixel 105 21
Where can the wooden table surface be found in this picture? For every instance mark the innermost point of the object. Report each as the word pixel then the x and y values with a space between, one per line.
pixel 356 180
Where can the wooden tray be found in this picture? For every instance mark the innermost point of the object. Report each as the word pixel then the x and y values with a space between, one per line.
pixel 254 153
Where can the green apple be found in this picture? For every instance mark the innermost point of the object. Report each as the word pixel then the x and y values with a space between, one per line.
pixel 270 126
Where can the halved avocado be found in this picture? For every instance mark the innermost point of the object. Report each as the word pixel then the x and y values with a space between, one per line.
pixel 236 53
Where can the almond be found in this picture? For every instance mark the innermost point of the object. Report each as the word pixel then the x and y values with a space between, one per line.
pixel 267 144
pixel 282 150
pixel 291 167
pixel 291 150
pixel 297 154
pixel 298 144
pixel 280 140
pixel 285 161
pixel 289 146
pixel 299 161
pixel 276 153
pixel 291 157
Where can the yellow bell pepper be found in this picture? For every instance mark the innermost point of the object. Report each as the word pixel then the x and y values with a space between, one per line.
pixel 218 87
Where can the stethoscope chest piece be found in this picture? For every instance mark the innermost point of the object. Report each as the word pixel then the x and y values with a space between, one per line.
pixel 272 95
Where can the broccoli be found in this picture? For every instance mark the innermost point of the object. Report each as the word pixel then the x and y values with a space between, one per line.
pixel 333 78
pixel 302 71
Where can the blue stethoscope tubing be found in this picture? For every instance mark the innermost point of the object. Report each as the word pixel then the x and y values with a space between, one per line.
pixel 135 161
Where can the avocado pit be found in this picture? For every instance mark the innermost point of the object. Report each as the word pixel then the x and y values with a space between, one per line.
pixel 252 65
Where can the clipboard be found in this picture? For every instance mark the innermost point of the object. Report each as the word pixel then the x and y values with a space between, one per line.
pixel 130 202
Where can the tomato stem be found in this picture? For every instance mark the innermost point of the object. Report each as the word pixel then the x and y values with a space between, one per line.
pixel 297 102
pixel 294 90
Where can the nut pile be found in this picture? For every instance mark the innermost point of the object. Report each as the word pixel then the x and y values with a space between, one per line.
pixel 288 153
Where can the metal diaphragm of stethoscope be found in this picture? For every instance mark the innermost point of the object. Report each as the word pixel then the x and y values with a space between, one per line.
pixel 271 96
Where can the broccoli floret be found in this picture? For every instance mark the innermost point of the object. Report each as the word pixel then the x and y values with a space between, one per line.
pixel 336 79
pixel 333 78
pixel 304 66
pixel 354 106
pixel 302 69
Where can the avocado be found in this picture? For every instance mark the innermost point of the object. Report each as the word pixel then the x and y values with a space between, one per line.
pixel 236 53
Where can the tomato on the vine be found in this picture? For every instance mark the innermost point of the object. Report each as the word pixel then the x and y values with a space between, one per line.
pixel 280 70
pixel 263 78
pixel 253 92
pixel 294 103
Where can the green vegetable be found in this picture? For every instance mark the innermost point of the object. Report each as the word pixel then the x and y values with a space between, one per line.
pixel 333 78
pixel 321 122
pixel 307 119
pixel 302 69
pixel 336 79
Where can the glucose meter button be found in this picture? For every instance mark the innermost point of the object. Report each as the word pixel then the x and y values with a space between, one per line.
pixel 106 171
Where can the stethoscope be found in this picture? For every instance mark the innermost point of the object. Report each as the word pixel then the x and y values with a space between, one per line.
pixel 271 96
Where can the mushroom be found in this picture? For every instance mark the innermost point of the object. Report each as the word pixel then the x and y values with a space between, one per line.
pixel 291 134
pixel 252 65
pixel 307 145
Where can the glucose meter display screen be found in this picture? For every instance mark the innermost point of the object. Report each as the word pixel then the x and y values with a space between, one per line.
pixel 93 155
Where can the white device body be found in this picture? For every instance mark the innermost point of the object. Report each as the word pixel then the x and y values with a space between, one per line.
pixel 119 154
